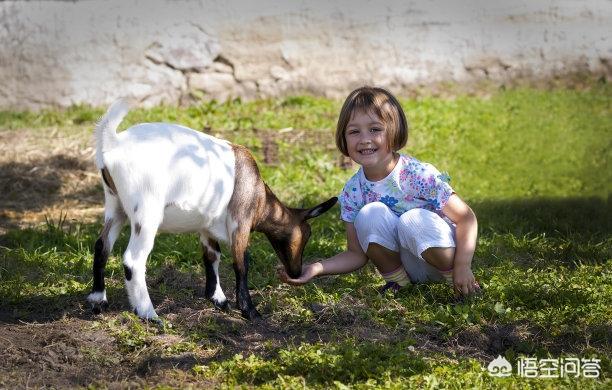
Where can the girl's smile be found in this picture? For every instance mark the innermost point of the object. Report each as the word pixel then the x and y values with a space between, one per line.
pixel 368 151
pixel 368 146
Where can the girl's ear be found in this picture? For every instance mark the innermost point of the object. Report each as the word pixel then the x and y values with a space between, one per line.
pixel 320 209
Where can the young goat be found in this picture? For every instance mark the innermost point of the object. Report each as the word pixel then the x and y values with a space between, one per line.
pixel 171 178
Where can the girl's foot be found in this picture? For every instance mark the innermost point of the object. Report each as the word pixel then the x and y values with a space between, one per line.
pixel 394 287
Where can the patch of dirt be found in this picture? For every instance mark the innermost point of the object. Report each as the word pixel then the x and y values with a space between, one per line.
pixel 486 342
pixel 58 354
pixel 44 174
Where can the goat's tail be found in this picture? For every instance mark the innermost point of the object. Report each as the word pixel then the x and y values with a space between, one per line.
pixel 106 129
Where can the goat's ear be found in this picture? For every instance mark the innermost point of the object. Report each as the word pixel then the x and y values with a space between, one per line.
pixel 320 209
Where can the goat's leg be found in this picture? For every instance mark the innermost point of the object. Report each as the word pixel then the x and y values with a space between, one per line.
pixel 114 219
pixel 212 258
pixel 241 268
pixel 134 264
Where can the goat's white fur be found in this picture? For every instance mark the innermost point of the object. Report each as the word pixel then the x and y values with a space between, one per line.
pixel 168 177
pixel 106 129
pixel 97 297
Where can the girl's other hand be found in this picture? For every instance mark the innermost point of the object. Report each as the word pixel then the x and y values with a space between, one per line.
pixel 464 281
pixel 309 271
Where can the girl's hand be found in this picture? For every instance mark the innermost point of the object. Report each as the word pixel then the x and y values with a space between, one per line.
pixel 309 271
pixel 464 281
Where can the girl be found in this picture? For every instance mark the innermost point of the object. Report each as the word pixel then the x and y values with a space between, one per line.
pixel 399 212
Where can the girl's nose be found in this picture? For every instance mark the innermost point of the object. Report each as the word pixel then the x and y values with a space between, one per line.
pixel 365 138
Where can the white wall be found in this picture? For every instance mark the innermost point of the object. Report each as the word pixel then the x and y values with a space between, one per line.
pixel 64 52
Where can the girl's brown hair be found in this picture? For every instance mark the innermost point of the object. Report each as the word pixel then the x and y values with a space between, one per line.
pixel 378 101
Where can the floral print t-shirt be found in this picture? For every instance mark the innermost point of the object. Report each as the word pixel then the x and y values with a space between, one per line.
pixel 411 184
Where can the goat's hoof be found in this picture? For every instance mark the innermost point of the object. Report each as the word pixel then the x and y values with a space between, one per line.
pixel 148 315
pixel 251 314
pixel 155 321
pixel 225 306
pixel 99 307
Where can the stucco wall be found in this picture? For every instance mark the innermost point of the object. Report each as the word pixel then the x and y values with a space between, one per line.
pixel 64 52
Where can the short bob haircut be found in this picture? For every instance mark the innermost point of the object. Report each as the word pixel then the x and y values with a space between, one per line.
pixel 377 101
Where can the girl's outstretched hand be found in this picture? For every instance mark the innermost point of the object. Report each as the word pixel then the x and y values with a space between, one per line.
pixel 309 271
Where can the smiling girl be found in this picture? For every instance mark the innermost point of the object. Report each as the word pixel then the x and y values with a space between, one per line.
pixel 400 213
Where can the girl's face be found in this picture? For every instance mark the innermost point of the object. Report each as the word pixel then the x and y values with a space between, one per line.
pixel 366 142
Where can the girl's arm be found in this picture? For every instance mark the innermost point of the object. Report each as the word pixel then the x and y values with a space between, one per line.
pixel 350 260
pixel 466 232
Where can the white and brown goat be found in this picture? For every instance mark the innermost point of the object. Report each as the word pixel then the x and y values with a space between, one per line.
pixel 166 177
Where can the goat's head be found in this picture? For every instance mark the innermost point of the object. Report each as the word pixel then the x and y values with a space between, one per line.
pixel 290 243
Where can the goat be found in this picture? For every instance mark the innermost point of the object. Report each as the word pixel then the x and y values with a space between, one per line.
pixel 172 178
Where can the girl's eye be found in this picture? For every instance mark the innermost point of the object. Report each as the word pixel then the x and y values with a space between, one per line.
pixel 375 129
pixel 352 131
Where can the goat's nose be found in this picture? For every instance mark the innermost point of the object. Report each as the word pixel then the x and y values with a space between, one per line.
pixel 294 274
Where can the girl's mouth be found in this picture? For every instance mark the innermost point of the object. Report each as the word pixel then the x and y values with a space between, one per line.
pixel 365 152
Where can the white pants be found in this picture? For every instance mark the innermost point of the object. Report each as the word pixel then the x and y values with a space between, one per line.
pixel 411 234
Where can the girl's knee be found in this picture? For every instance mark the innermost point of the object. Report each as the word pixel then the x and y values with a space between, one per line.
pixel 417 214
pixel 372 214
pixel 376 223
pixel 420 229
pixel 414 220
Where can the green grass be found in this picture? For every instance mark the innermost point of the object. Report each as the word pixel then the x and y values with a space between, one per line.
pixel 534 165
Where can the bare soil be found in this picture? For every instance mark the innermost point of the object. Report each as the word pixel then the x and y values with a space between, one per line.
pixel 44 174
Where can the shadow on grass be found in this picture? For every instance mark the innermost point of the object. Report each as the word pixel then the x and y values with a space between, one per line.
pixel 521 337
pixel 36 184
pixel 47 309
pixel 575 217
pixel 545 232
